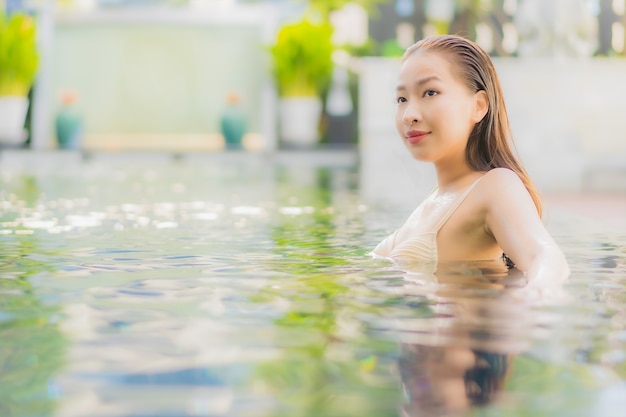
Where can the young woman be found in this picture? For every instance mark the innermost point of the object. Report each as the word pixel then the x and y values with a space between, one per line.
pixel 451 112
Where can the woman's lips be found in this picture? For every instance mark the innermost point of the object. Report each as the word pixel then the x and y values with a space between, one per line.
pixel 415 136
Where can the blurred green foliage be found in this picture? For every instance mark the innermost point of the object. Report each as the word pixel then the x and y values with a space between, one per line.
pixel 302 58
pixel 19 57
pixel 325 7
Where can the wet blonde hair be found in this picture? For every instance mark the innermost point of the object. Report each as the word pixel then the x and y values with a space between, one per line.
pixel 490 143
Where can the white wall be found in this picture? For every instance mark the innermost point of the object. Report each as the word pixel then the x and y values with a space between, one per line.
pixel 157 73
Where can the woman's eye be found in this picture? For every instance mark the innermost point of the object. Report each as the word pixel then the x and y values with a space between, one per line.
pixel 430 93
pixel 400 100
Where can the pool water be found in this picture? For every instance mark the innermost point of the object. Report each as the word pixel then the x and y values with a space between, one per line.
pixel 181 288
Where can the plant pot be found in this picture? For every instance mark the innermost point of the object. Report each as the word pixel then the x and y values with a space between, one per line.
pixel 12 117
pixel 299 119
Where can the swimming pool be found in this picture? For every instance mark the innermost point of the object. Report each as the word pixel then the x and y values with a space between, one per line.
pixel 241 286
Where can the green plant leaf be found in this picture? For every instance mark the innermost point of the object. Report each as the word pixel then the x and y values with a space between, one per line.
pixel 19 56
pixel 302 58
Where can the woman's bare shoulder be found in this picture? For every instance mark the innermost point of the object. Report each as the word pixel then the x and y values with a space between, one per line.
pixel 503 187
pixel 502 176
pixel 502 183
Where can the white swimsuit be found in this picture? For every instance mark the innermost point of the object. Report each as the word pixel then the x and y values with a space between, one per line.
pixel 419 250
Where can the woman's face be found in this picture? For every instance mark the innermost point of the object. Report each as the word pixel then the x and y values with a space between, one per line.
pixel 436 111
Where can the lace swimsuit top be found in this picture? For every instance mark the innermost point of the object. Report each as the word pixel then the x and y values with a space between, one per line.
pixel 419 250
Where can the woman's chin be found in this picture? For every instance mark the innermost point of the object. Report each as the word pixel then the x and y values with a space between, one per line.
pixel 420 156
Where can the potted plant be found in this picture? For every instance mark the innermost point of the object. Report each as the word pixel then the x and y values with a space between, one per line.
pixel 19 59
pixel 302 69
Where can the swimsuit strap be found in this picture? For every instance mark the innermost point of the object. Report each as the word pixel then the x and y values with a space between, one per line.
pixel 456 204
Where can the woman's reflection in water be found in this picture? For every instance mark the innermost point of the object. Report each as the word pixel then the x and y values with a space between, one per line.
pixel 461 356
pixel 439 380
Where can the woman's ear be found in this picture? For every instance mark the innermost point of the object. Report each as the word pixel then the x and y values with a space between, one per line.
pixel 481 106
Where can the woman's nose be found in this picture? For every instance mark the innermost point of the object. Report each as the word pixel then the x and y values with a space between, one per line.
pixel 411 114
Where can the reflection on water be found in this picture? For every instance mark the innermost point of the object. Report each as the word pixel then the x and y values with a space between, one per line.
pixel 188 290
pixel 31 344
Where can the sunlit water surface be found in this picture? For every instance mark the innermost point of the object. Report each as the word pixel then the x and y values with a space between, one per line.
pixel 187 289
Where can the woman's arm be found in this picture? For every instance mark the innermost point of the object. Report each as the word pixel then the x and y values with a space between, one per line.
pixel 512 219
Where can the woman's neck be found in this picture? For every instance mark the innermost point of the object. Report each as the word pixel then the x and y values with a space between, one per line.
pixel 454 174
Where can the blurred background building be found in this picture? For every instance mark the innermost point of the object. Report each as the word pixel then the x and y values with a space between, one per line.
pixel 166 74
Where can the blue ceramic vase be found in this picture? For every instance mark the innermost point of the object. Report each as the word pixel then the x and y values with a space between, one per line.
pixel 233 124
pixel 69 127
